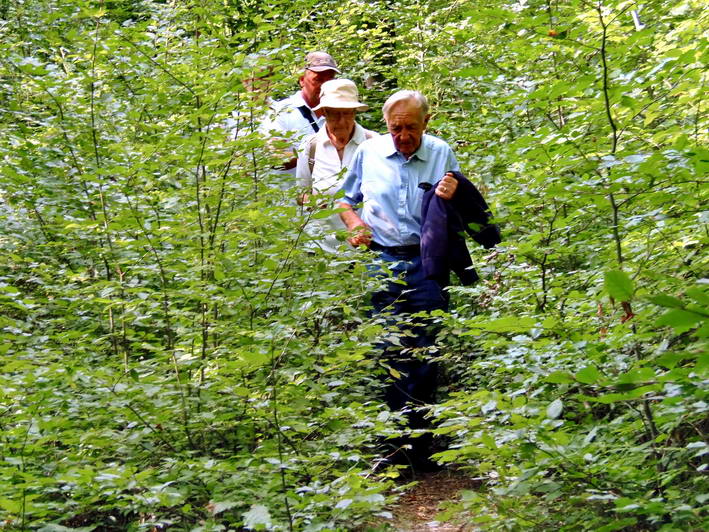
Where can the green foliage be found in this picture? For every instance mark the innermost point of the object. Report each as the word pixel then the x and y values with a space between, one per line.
pixel 169 359
pixel 178 353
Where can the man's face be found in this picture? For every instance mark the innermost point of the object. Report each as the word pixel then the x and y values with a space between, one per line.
pixel 406 123
pixel 310 83
pixel 340 122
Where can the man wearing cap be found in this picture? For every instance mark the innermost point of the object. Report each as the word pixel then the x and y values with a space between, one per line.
pixel 296 114
pixel 323 156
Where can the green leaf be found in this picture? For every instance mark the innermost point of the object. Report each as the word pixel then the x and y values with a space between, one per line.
pixel 488 441
pixel 555 408
pixel 253 358
pixel 635 393
pixel 53 527
pixel 11 506
pixel 703 331
pixel 666 301
pixel 560 377
pixel 322 213
pixel 618 524
pixel 680 320
pixel 618 285
pixel 258 517
pixel 670 360
pixel 219 507
pixel 589 375
pixel 699 295
pixel 344 503
pixel 635 376
pixel 508 324
pixel 471 72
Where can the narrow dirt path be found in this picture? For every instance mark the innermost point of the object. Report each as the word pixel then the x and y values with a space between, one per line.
pixel 417 509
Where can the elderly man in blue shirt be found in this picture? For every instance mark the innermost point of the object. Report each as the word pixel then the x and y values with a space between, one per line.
pixel 384 177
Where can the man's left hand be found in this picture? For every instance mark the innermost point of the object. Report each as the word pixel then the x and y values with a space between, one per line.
pixel 446 187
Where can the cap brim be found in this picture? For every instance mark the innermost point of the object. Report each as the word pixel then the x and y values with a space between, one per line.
pixel 323 68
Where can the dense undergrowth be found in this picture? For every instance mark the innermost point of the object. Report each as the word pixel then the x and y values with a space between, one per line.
pixel 176 355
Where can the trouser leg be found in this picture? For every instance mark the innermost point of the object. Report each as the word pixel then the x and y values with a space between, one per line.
pixel 416 383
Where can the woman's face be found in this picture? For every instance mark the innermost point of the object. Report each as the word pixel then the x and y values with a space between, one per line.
pixel 340 122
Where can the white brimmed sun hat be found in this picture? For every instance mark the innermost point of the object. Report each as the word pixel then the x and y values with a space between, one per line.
pixel 340 94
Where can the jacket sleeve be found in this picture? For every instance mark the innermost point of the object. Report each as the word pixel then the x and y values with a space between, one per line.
pixel 474 213
pixel 442 245
pixel 443 226
pixel 434 239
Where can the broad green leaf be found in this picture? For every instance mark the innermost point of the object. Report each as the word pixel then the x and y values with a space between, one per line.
pixel 670 360
pixel 471 71
pixel 703 331
pixel 253 358
pixel 374 498
pixel 11 506
pixel 589 375
pixel 508 324
pixel 488 441
pixel 680 320
pixel 344 503
pixel 52 527
pixel 219 507
pixel 618 285
pixel 618 524
pixel 322 213
pixel 257 518
pixel 560 377
pixel 636 376
pixel 634 394
pixel 700 295
pixel 554 409
pixel 666 301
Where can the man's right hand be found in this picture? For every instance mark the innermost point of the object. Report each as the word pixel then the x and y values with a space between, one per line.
pixel 361 235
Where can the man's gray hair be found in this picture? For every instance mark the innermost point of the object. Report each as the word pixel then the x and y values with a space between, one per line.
pixel 404 95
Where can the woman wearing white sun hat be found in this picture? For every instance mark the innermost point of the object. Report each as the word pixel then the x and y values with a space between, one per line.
pixel 324 156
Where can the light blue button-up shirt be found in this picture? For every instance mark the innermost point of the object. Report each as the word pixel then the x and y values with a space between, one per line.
pixel 388 185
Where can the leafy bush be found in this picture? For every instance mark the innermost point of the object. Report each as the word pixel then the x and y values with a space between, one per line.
pixel 178 353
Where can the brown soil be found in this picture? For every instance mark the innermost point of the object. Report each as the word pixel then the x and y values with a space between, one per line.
pixel 417 509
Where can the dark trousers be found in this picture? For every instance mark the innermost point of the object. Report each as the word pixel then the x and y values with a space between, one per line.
pixel 417 381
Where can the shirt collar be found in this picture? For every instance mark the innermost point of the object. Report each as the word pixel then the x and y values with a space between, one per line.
pixel 422 154
pixel 359 136
pixel 297 100
pixel 389 149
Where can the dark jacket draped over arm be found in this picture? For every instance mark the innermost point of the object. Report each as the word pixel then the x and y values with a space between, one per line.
pixel 444 224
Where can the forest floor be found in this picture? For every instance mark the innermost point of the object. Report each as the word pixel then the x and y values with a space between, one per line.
pixel 419 506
